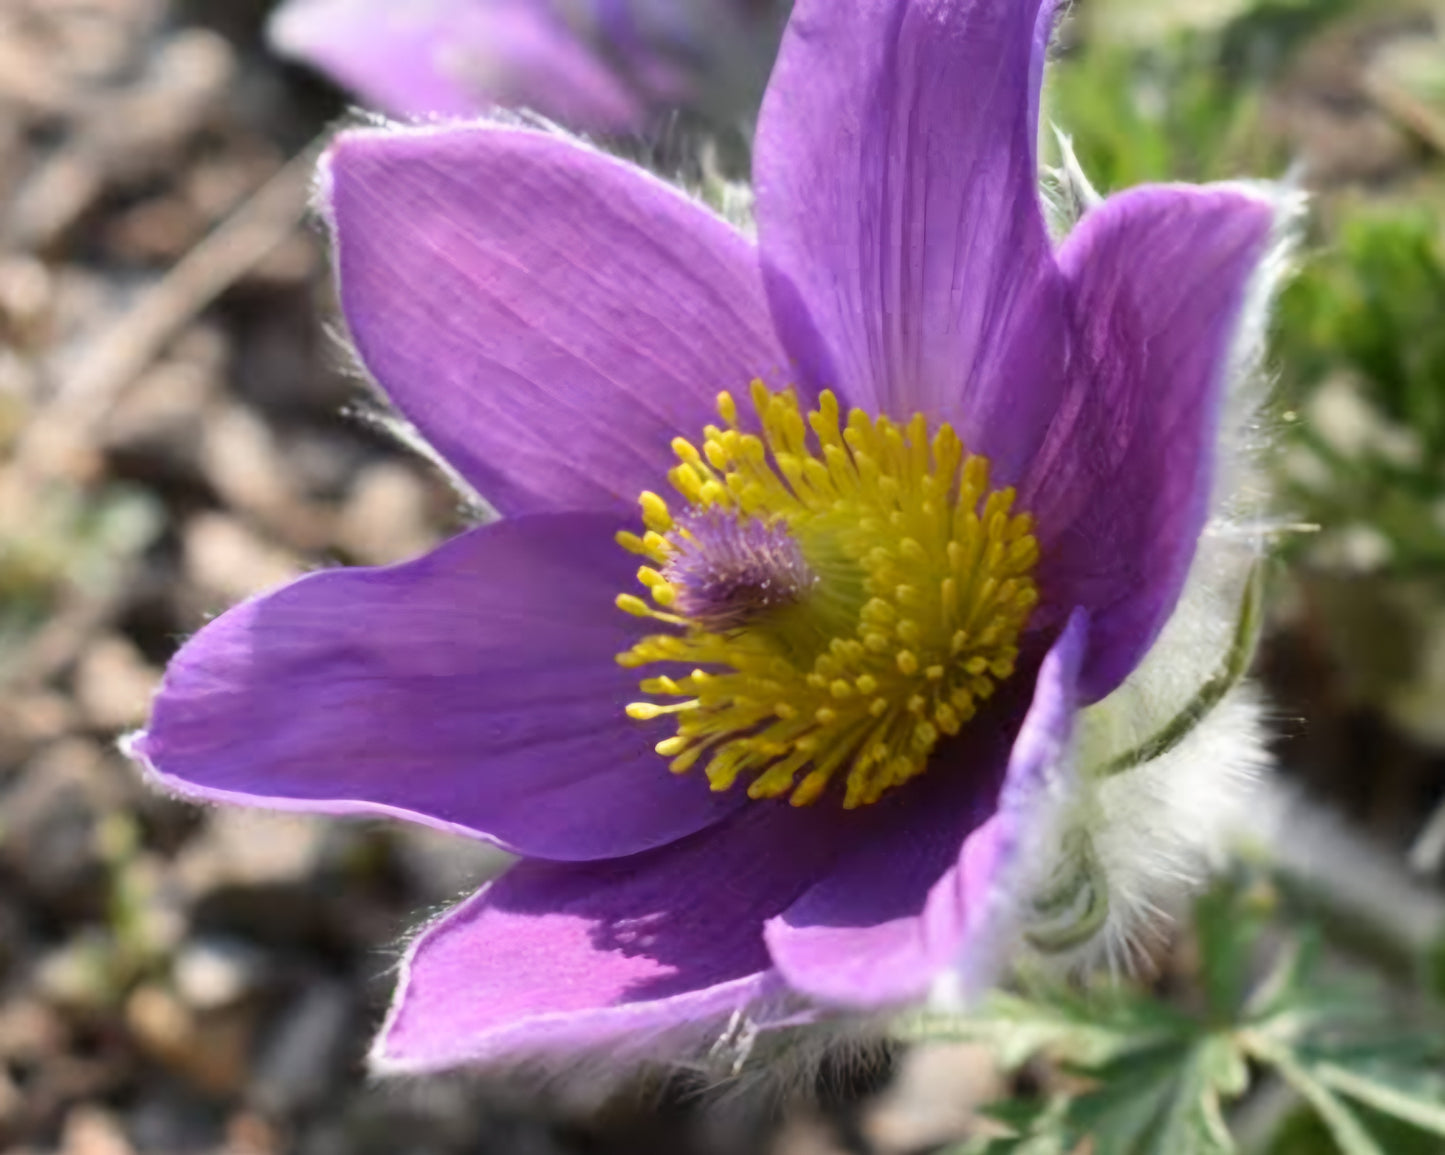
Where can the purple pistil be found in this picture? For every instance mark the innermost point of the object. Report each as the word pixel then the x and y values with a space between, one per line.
pixel 730 570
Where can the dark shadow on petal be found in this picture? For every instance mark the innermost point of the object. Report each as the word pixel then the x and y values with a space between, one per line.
pixel 913 835
pixel 689 915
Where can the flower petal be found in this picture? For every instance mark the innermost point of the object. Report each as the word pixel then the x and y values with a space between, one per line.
pixel 474 689
pixel 648 953
pixel 903 906
pixel 457 57
pixel 548 317
pixel 1120 490
pixel 391 57
pixel 899 217
pixel 985 891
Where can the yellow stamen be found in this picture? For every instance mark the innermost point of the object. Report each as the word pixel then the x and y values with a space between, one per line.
pixel 924 584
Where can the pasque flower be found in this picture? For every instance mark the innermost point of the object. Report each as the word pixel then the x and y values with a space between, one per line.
pixel 597 65
pixel 812 550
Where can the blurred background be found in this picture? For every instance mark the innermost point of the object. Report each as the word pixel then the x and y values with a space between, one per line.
pixel 178 430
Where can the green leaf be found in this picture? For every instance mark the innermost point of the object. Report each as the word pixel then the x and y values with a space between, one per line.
pixel 1229 921
pixel 1360 326
pixel 1415 1097
pixel 1165 1101
pixel 1338 1049
pixel 1344 1126
pixel 1234 666
pixel 1079 1029
pixel 1145 1077
pixel 1162 1100
pixel 1302 1133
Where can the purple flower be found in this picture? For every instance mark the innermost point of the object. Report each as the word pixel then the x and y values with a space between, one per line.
pixel 936 485
pixel 598 65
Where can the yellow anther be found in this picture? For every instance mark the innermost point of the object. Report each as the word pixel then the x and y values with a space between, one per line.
pixel 646 711
pixel 811 788
pixel 727 408
pixel 817 476
pixel 923 586
pixel 761 398
pixel 1023 553
pixel 655 513
pixel 880 612
pixel 914 552
pixel 686 452
pixel 687 481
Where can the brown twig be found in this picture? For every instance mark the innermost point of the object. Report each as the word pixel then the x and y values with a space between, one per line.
pixel 1407 108
pixel 133 341
pixel 72 418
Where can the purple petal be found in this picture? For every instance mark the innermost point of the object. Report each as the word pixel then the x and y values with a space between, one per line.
pixel 901 907
pixel 456 58
pixel 649 953
pixel 474 689
pixel 983 892
pixel 390 57
pixel 898 214
pixel 1121 486
pixel 867 934
pixel 548 317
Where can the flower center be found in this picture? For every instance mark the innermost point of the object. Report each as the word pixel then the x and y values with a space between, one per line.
pixel 844 601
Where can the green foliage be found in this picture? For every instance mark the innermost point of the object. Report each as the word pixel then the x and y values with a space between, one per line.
pixel 1304 1134
pixel 1373 302
pixel 1359 341
pixel 1157 114
pixel 73 540
pixel 1136 1075
pixel 1185 105
pixel 1360 330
